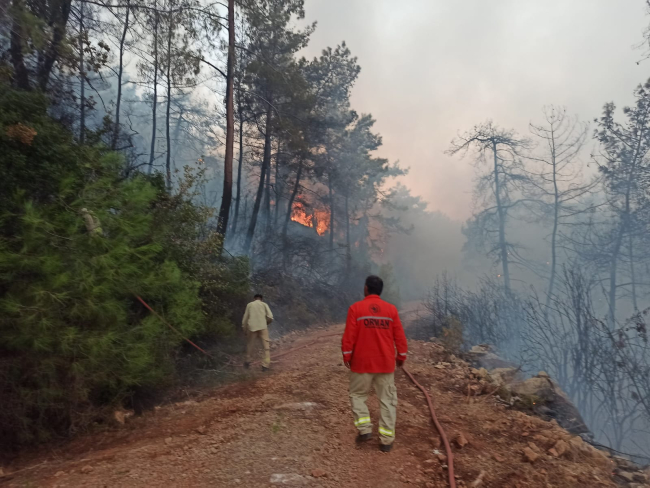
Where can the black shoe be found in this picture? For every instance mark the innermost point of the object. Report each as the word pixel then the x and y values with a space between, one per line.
pixel 247 365
pixel 265 369
pixel 363 438
pixel 385 447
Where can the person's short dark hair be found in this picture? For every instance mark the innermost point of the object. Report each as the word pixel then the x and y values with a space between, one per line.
pixel 258 296
pixel 375 285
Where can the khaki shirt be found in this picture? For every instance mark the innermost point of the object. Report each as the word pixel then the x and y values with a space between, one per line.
pixel 257 316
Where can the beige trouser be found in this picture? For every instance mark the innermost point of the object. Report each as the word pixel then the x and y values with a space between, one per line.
pixel 384 384
pixel 255 337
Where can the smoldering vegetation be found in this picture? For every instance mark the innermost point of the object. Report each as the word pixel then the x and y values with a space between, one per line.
pixel 558 246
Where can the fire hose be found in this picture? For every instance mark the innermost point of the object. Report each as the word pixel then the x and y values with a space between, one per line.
pixel 434 418
pixel 441 431
pixel 170 326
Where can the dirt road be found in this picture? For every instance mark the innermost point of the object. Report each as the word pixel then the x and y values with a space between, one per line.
pixel 293 427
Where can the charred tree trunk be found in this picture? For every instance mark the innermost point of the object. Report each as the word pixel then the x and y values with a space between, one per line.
pixel 292 198
pixel 267 198
pixel 260 189
pixel 82 79
pixel 632 275
pixel 168 167
pixel 20 75
pixel 623 228
pixel 177 136
pixel 240 162
pixel 278 186
pixel 226 197
pixel 155 92
pixel 331 194
pixel 503 247
pixel 116 130
pixel 245 208
pixel 613 272
pixel 287 218
pixel 348 248
pixel 58 22
pixel 556 210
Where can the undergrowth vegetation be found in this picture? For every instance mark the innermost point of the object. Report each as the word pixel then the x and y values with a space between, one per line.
pixel 78 242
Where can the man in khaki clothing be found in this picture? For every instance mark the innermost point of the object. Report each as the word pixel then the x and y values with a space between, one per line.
pixel 255 323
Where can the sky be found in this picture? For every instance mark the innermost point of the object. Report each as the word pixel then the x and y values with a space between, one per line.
pixel 433 68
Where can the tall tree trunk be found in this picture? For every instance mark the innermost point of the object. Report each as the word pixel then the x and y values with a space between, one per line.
pixel 60 13
pixel 241 160
pixel 116 130
pixel 292 198
pixel 556 214
pixel 82 79
pixel 348 251
pixel 168 167
pixel 613 270
pixel 177 136
pixel 287 218
pixel 632 274
pixel 21 76
pixel 267 199
pixel 245 208
pixel 226 196
pixel 155 90
pixel 260 189
pixel 502 222
pixel 331 194
pixel 623 227
pixel 278 185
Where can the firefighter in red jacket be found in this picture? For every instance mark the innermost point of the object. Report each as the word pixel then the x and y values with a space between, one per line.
pixel 373 331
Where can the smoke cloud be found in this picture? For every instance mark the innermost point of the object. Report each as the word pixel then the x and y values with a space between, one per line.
pixel 432 68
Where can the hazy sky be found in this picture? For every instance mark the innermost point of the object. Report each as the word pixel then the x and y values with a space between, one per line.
pixel 431 68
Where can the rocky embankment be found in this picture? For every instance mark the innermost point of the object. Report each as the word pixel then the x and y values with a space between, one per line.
pixel 543 397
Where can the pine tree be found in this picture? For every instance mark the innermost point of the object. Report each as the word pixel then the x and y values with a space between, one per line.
pixel 73 337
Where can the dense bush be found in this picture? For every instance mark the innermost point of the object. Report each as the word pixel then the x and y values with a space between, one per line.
pixel 74 341
pixel 191 241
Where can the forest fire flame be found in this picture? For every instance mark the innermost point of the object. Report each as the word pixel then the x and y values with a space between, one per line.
pixel 300 214
pixel 323 219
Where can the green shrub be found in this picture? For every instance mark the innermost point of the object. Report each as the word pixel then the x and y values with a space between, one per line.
pixel 74 341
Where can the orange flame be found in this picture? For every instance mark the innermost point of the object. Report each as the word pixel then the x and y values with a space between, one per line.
pixel 323 219
pixel 300 214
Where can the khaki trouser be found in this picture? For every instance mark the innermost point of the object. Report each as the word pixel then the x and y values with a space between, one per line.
pixel 255 337
pixel 384 384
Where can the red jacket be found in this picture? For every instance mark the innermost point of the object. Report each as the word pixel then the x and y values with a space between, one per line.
pixel 372 331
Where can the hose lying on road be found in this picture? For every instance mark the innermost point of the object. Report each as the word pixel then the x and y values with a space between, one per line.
pixel 441 431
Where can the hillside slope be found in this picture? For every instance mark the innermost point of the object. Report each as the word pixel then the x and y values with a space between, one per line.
pixel 293 427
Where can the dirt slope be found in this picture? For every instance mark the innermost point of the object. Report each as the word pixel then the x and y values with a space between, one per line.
pixel 293 427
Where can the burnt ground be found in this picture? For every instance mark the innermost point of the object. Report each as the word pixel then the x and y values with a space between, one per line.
pixel 293 427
